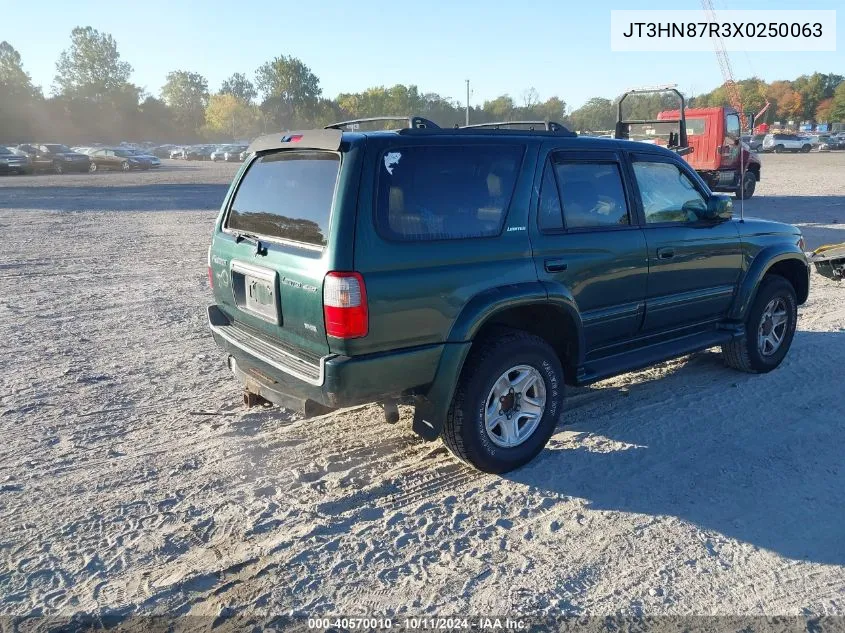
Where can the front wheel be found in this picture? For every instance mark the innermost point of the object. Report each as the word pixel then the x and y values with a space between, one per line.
pixel 92 167
pixel 507 402
pixel 769 328
pixel 747 186
pixel 58 167
pixel 806 148
pixel 124 166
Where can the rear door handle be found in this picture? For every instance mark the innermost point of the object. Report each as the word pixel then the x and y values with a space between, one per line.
pixel 665 253
pixel 555 265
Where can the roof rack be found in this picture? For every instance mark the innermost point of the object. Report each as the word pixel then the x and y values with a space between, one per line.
pixel 413 122
pixel 548 126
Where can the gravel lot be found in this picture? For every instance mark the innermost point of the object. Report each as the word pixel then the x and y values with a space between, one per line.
pixel 132 481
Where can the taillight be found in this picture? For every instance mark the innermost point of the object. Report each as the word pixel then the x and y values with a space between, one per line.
pixel 210 274
pixel 345 305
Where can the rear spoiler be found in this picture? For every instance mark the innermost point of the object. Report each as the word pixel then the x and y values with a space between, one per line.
pixel 306 139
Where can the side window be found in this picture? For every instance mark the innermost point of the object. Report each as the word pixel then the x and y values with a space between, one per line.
pixel 592 194
pixel 445 192
pixel 549 216
pixel 667 193
pixel 732 127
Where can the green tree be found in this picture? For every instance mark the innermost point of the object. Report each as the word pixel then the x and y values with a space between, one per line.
pixel 14 80
pixel 187 95
pixel 19 100
pixel 597 114
pixel 91 68
pixel 499 109
pixel 289 89
pixel 837 106
pixel 239 86
pixel 228 117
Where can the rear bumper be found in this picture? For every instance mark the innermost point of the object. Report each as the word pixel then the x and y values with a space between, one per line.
pixel 332 381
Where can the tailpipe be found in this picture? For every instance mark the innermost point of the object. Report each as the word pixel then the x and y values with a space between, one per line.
pixel 391 411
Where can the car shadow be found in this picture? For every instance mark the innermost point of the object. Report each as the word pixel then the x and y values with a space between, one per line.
pixel 756 458
pixel 151 197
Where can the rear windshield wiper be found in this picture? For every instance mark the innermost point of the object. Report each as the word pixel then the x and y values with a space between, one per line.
pixel 243 236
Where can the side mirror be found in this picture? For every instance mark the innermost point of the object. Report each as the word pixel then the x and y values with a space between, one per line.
pixel 719 209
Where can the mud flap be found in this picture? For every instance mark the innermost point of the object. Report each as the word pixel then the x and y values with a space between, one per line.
pixel 427 420
pixel 430 410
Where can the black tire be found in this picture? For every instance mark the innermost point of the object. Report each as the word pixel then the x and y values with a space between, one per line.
pixel 747 186
pixel 464 431
pixel 125 166
pixel 778 149
pixel 744 353
pixel 58 167
pixel 806 148
pixel 92 167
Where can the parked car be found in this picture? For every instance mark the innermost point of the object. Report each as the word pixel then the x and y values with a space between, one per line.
pixel 14 163
pixel 824 142
pixel 199 152
pixel 233 153
pixel 179 153
pixel 479 272
pixel 243 155
pixel 718 155
pixel 163 151
pixel 218 152
pixel 117 158
pixel 153 161
pixel 55 157
pixel 786 143
pixel 754 142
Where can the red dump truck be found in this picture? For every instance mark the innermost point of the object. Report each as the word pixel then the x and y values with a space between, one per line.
pixel 718 154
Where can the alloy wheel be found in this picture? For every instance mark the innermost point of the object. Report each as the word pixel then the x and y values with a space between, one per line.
pixel 772 329
pixel 515 406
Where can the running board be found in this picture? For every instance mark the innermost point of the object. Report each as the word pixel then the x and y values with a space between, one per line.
pixel 646 356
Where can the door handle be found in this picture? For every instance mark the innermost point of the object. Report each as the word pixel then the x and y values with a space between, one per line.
pixel 555 265
pixel 665 253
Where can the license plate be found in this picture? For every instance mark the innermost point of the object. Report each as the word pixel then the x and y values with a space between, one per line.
pixel 255 291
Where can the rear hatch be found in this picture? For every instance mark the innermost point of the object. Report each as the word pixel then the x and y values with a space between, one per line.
pixel 277 237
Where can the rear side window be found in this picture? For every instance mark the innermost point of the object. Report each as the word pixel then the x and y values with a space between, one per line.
pixel 696 127
pixel 592 194
pixel 287 195
pixel 445 192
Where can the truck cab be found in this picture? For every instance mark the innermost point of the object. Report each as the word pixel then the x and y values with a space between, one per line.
pixel 718 153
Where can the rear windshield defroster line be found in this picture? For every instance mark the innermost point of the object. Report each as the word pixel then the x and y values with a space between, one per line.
pixel 287 195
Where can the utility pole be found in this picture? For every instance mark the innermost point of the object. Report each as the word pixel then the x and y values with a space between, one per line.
pixel 467 101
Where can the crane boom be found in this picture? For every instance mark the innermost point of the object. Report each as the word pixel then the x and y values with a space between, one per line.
pixel 725 65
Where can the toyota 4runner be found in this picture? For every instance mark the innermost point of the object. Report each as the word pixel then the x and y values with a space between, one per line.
pixel 479 270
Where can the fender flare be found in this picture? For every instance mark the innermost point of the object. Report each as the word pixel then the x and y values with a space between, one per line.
pixel 760 265
pixel 431 409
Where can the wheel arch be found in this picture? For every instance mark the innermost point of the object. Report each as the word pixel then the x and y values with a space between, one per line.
pixel 788 262
pixel 529 307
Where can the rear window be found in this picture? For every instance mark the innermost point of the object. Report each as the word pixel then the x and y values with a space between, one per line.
pixel 287 195
pixel 696 127
pixel 446 192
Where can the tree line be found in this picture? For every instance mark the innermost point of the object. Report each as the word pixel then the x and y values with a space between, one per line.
pixel 93 99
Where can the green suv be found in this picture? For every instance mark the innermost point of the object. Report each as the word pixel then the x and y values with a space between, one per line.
pixel 479 270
